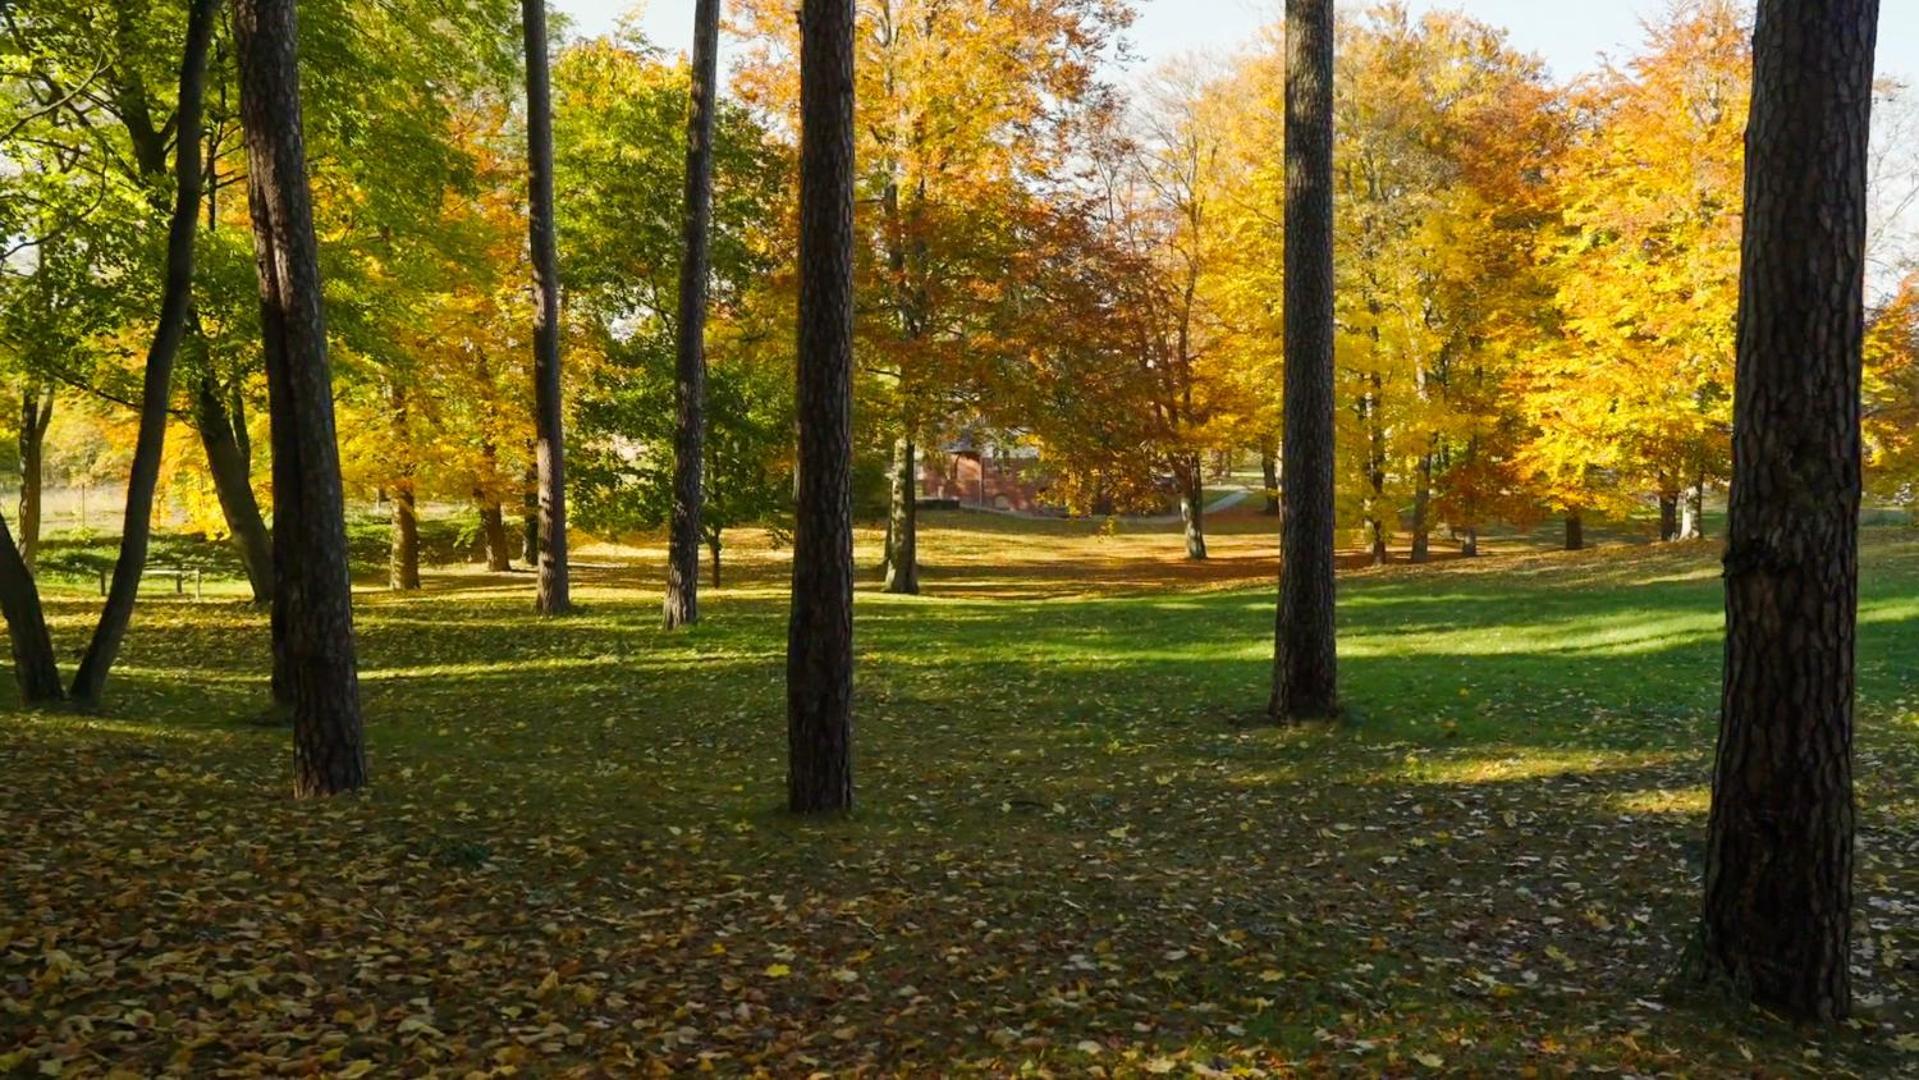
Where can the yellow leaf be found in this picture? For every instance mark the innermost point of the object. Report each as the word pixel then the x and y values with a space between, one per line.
pixel 778 971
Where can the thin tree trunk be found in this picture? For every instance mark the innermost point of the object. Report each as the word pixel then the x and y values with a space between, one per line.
pixel 819 644
pixel 1693 525
pixel 1422 511
pixel 493 531
pixel 1192 508
pixel 35 669
pixel 682 604
pixel 403 543
pixel 1777 923
pixel 313 597
pixel 902 523
pixel 550 448
pixel 1575 531
pixel 713 546
pixel 1269 468
pixel 530 518
pixel 229 464
pixel 1305 664
pixel 1668 516
pixel 36 412
pixel 157 387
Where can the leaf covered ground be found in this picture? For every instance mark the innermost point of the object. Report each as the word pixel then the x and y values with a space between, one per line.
pixel 1078 851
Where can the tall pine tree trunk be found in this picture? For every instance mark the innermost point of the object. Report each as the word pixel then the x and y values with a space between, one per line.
pixel 682 604
pixel 231 467
pixel 819 644
pixel 156 389
pixel 1777 922
pixel 1305 664
pixel 902 522
pixel 36 412
pixel 550 444
pixel 313 595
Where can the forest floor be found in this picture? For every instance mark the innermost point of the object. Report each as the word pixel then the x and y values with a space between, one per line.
pixel 1078 848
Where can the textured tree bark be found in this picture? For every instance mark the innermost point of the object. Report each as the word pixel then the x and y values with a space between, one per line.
pixel 713 546
pixel 36 412
pixel 1777 924
pixel 1575 531
pixel 550 441
pixel 156 389
pixel 313 596
pixel 1422 511
pixel 1668 516
pixel 493 533
pixel 35 669
pixel 682 604
pixel 231 468
pixel 902 523
pixel 1305 660
pixel 1269 469
pixel 819 648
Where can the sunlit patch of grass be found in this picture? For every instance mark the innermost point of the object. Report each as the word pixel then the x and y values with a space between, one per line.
pixel 1690 801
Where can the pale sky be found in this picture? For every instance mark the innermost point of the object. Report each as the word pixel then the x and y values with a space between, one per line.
pixel 1569 34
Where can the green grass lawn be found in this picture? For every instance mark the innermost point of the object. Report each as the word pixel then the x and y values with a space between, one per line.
pixel 1077 847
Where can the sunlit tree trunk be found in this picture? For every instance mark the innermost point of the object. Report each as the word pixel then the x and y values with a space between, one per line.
pixel 156 390
pixel 403 544
pixel 902 574
pixel 1692 525
pixel 1192 505
pixel 493 532
pixel 550 444
pixel 1777 923
pixel 682 604
pixel 1305 656
pixel 313 608
pixel 819 649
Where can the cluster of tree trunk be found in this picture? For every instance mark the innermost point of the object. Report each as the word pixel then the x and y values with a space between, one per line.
pixel 1305 657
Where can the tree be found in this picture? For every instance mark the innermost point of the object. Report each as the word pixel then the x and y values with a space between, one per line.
pixel 819 643
pixel 550 446
pixel 150 444
pixel 683 554
pixel 1778 897
pixel 1305 657
pixel 313 597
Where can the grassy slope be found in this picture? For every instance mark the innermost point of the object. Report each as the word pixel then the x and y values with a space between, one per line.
pixel 1077 846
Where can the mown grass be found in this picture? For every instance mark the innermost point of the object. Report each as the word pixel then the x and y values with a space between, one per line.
pixel 1078 847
